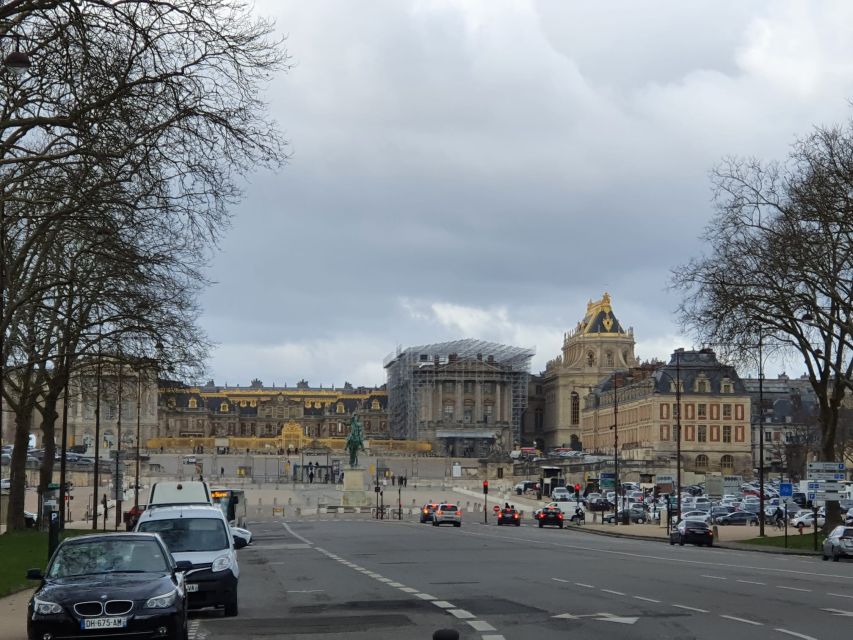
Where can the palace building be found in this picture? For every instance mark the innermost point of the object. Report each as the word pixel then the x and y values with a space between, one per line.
pixel 595 348
pixel 263 412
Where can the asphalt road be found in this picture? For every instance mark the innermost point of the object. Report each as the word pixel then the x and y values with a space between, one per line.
pixel 359 578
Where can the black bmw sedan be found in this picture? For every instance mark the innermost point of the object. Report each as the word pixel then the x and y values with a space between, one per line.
pixel 109 585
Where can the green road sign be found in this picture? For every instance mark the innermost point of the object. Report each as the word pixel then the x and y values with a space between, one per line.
pixel 53 486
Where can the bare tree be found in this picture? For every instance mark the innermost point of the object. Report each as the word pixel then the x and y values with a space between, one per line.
pixel 780 268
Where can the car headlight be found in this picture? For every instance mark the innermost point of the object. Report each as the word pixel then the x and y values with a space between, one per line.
pixel 221 563
pixel 45 608
pixel 162 601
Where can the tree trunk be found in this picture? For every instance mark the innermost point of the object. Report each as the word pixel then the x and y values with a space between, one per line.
pixel 18 473
pixel 48 429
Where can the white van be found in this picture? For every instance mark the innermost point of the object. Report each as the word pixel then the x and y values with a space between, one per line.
pixel 200 534
pixel 170 492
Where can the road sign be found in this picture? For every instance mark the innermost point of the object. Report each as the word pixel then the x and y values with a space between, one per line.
pixel 496 509
pixel 607 480
pixel 786 490
pixel 53 486
pixel 826 471
pixel 664 479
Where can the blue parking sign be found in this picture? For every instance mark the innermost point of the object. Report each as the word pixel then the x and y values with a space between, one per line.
pixel 786 490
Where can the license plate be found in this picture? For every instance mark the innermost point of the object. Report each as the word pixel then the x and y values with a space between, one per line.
pixel 103 623
pixel 192 587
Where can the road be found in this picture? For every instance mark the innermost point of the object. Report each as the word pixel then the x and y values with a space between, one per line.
pixel 359 578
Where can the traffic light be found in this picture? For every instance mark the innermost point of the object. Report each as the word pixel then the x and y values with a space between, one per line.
pixel 577 487
pixel 485 487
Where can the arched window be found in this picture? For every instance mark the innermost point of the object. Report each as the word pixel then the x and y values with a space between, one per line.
pixel 701 461
pixel 374 405
pixel 193 403
pixel 340 407
pixel 609 358
pixel 223 408
pixel 576 408
pixel 590 359
pixel 727 463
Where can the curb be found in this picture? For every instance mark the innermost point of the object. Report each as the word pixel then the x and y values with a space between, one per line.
pixel 734 546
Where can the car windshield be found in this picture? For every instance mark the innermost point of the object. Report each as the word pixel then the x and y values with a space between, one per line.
pixel 448 507
pixel 847 533
pixel 107 556
pixel 189 534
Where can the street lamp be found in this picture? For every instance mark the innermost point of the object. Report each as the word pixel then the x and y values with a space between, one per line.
pixel 677 413
pixel 16 62
pixel 760 436
pixel 615 428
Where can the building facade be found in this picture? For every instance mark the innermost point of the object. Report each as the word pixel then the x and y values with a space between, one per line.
pixel 467 397
pixel 641 402
pixel 595 348
pixel 263 412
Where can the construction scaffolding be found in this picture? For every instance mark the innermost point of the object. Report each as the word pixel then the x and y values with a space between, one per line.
pixel 413 374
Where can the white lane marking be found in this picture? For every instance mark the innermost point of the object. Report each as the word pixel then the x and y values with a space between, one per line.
pixel 714 577
pixel 684 606
pixel 615 593
pixel 839 595
pixel 480 625
pixel 736 619
pixel 443 604
pixel 493 637
pixel 751 582
pixel 839 612
pixel 425 596
pixel 647 599
pixel 296 535
pixel 396 584
pixel 408 589
pixel 796 635
pixel 385 580
pixel 661 558
pixel 559 580
pixel 793 588
pixel 307 591
pixel 586 586
pixel 461 614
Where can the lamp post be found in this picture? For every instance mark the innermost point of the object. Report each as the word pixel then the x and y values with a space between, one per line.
pixel 17 63
pixel 615 428
pixel 760 436
pixel 677 415
pixel 95 477
pixel 138 433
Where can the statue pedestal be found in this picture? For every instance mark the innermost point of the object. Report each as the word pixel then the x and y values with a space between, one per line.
pixel 355 494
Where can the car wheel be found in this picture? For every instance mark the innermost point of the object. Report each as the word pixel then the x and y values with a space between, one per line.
pixel 825 557
pixel 836 557
pixel 671 541
pixel 641 521
pixel 231 608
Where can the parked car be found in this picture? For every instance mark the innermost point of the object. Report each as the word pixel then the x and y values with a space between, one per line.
pixel 637 516
pixel 702 516
pixel 561 494
pixel 807 521
pixel 721 510
pixel 739 518
pixel 524 486
pixel 109 584
pixel 692 531
pixel 838 544
pixel 509 516
pixel 447 514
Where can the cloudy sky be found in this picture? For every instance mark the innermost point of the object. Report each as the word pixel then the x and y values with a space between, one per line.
pixel 482 168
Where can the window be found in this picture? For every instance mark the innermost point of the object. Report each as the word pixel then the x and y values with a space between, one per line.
pixel 739 433
pixel 488 409
pixel 466 416
pixel 702 411
pixel 727 411
pixel 727 463
pixel 664 412
pixel 664 432
pixel 701 461
pixel 374 406
pixel 727 433
pixel 193 404
pixel 223 408
pixel 576 408
pixel 449 387
pixel 768 435
pixel 702 386
pixel 339 408
pixel 609 358
pixel 590 359
pixel 469 386
pixel 727 387
pixel 675 411
pixel 702 434
pixel 448 412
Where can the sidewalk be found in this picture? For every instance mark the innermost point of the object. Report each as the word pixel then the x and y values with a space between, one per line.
pixel 13 613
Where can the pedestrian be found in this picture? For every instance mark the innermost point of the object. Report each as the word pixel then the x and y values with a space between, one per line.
pixel 221 472
pixel 393 480
pixel 311 476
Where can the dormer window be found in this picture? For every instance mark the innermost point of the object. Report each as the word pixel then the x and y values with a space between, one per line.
pixel 223 408
pixel 374 406
pixel 340 407
pixel 193 404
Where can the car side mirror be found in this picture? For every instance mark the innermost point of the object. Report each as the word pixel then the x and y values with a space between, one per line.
pixel 35 574
pixel 239 542
pixel 183 566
